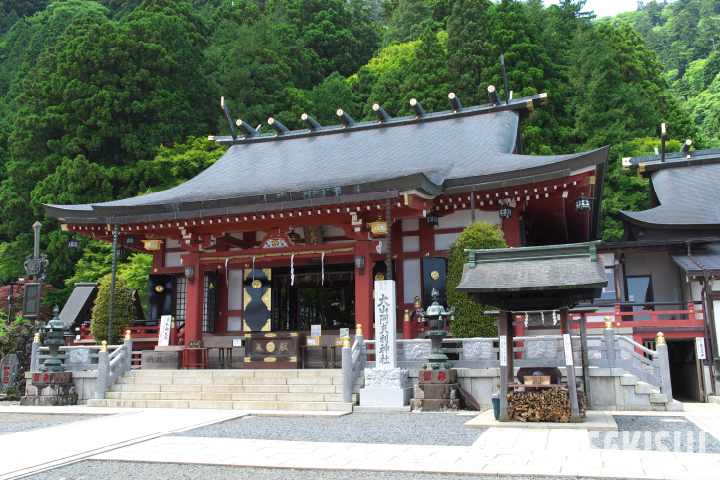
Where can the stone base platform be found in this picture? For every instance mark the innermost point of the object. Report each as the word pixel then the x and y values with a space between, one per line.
pixel 50 389
pixel 359 409
pixel 435 405
pixel 597 420
pixel 385 397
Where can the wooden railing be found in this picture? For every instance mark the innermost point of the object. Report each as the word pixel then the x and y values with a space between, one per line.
pixel 688 316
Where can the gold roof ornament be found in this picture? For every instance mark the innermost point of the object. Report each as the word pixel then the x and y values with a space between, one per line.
pixel 294 237
pixel 660 339
pixel 378 227
pixel 608 323
pixel 358 329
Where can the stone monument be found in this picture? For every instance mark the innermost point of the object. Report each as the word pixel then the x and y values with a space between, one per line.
pixel 385 385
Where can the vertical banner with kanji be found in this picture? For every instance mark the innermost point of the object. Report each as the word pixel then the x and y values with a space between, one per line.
pixel 385 325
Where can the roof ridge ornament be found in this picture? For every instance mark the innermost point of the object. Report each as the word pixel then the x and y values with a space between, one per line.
pixel 228 118
pixel 418 110
pixel 381 114
pixel 493 94
pixel 311 123
pixel 345 118
pixel 277 126
pixel 455 105
pixel 246 128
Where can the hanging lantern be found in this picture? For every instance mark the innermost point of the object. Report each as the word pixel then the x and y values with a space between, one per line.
pixel 582 203
pixel 131 240
pixel 505 211
pixel 152 244
pixel 294 237
pixel 73 244
pixel 432 219
pixel 378 227
pixel 122 252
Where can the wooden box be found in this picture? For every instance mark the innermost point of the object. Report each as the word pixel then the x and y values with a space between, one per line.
pixel 273 350
pixel 537 380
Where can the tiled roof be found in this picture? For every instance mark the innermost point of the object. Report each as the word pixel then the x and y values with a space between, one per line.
pixel 470 150
pixel 699 262
pixel 689 197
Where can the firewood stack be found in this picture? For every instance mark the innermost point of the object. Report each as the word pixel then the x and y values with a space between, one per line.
pixel 549 405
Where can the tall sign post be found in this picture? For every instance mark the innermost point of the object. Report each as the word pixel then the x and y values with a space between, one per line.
pixel 385 385
pixel 35 265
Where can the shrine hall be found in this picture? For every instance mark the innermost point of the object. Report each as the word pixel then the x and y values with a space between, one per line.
pixel 290 229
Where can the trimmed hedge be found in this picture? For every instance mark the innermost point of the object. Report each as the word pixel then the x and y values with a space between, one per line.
pixel 469 319
pixel 124 310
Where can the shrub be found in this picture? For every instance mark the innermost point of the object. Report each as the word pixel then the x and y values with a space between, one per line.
pixel 469 319
pixel 124 310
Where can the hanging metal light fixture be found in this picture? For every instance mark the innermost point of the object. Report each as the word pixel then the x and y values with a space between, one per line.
pixel 73 244
pixel 582 203
pixel 131 240
pixel 122 252
pixel 505 211
pixel 294 237
pixel 432 219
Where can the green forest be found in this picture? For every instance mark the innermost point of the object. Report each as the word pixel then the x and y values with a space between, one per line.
pixel 107 99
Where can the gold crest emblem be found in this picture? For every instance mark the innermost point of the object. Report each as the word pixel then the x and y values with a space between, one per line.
pixel 435 275
pixel 256 283
pixel 270 347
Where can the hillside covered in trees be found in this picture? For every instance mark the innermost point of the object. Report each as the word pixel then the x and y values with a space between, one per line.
pixel 107 99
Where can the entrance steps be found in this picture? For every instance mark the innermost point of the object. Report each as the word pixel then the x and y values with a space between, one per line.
pixel 639 395
pixel 306 390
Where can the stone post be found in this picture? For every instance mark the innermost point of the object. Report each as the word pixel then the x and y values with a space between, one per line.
pixel 609 342
pixel 570 366
pixel 664 360
pixel 34 360
pixel 347 374
pixel 128 346
pixel 103 365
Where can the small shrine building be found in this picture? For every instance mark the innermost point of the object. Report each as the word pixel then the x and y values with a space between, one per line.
pixel 289 229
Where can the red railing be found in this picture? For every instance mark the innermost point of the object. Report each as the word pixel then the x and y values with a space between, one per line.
pixel 139 334
pixel 690 317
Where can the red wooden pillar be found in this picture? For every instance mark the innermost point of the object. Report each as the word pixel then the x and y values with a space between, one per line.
pixel 519 332
pixel 194 301
pixel 511 228
pixel 364 290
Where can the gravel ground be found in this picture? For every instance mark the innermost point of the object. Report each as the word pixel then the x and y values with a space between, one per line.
pixel 97 470
pixel 659 434
pixel 22 422
pixel 392 428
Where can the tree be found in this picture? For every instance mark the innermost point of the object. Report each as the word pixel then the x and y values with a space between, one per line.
pixel 408 22
pixel 470 320
pixel 469 49
pixel 427 76
pixel 124 310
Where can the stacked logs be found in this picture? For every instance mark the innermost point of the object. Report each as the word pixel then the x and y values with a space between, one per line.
pixel 548 405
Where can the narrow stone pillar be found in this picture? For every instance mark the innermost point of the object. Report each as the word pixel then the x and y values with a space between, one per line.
pixel 103 365
pixel 570 366
pixel 503 335
pixel 662 349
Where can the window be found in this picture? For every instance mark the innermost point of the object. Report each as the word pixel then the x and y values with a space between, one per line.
pixel 210 302
pixel 608 293
pixel 639 289
pixel 179 295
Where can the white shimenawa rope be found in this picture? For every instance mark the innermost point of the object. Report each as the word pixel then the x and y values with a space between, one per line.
pixel 542 315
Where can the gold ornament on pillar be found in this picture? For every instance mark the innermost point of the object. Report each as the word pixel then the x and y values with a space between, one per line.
pixel 358 330
pixel 608 323
pixel 660 339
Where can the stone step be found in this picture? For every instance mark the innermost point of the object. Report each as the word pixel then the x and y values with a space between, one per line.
pixel 658 398
pixel 228 405
pixel 233 373
pixel 132 387
pixel 225 397
pixel 209 380
pixel 642 388
pixel 628 379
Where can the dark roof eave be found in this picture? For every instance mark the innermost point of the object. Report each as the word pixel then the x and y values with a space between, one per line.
pixel 669 226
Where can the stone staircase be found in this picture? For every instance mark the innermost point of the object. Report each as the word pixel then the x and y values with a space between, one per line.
pixel 306 390
pixel 639 395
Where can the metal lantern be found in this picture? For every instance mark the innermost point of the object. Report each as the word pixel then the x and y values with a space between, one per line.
pixel 294 237
pixel 582 203
pixel 360 264
pixel 122 252
pixel 73 244
pixel 131 240
pixel 432 219
pixel 190 275
pixel 505 211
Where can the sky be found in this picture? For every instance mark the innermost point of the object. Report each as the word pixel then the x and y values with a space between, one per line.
pixel 604 8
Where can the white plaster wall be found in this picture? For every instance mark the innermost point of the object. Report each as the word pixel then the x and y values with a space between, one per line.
pixel 411 244
pixel 172 259
pixel 235 286
pixel 664 274
pixel 462 218
pixel 170 243
pixel 411 225
pixel 443 240
pixel 234 324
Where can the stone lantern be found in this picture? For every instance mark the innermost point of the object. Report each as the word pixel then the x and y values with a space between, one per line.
pixel 53 340
pixel 436 317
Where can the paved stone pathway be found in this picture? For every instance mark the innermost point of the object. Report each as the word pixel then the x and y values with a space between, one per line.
pixel 141 436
